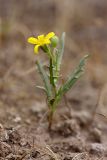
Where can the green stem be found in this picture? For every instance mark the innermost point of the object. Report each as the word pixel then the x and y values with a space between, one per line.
pixel 50 53
pixel 52 82
pixel 51 73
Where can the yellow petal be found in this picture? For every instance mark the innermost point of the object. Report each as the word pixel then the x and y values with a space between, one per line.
pixel 47 41
pixel 41 37
pixel 50 35
pixel 32 40
pixel 36 48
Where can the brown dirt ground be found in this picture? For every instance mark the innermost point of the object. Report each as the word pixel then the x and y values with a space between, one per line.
pixel 79 130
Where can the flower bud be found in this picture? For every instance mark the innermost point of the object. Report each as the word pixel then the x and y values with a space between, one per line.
pixel 54 41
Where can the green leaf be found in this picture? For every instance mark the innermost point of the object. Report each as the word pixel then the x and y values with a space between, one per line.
pixel 45 79
pixel 41 87
pixel 71 80
pixel 60 51
pixel 59 55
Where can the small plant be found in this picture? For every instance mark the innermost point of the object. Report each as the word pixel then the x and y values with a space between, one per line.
pixel 53 47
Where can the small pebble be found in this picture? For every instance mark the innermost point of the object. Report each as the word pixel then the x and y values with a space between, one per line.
pixel 17 119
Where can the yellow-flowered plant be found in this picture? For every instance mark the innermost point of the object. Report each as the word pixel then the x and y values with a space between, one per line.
pixel 54 48
pixel 41 40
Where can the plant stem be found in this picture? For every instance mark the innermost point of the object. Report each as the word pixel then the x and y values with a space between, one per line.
pixel 53 91
pixel 52 76
pixel 51 73
pixel 50 119
pixel 53 85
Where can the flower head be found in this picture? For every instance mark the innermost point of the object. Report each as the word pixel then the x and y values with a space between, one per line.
pixel 41 40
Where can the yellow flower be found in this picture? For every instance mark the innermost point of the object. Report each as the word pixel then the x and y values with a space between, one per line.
pixel 41 40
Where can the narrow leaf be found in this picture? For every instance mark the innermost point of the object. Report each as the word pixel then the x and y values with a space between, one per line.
pixel 60 51
pixel 45 79
pixel 41 87
pixel 72 79
pixel 59 55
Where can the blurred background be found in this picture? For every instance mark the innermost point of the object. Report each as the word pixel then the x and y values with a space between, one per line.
pixel 85 24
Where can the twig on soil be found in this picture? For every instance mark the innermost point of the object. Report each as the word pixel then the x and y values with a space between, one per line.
pixel 95 108
pixel 52 153
pixel 43 148
pixel 24 155
pixel 99 103
pixel 80 156
pixel 102 115
pixel 101 99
